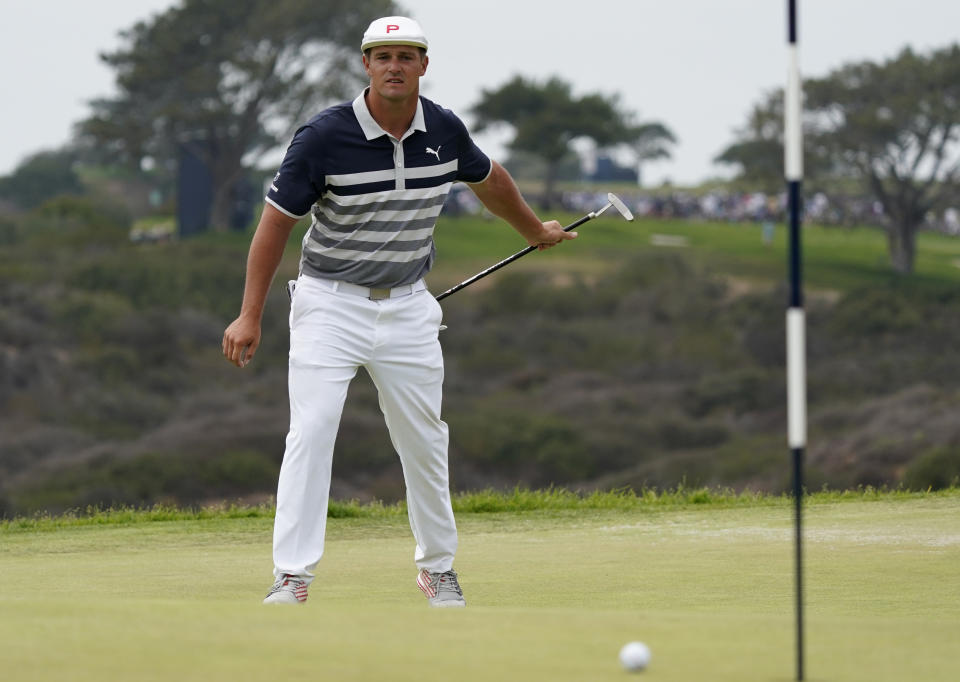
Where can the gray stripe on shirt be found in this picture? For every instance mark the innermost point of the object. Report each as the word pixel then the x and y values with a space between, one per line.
pixel 321 226
pixel 388 205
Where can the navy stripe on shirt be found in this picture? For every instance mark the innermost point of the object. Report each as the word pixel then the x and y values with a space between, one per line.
pixel 374 200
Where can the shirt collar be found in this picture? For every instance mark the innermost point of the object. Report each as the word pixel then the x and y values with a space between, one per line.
pixel 372 129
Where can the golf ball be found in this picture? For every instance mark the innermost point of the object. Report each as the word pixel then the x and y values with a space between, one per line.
pixel 635 656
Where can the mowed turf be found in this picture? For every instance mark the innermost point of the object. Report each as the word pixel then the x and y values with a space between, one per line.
pixel 552 595
pixel 835 258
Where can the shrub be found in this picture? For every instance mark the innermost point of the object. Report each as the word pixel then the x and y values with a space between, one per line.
pixel 171 276
pixel 936 469
pixel 79 221
pixel 88 314
pixel 42 176
pixel 678 433
pixel 534 447
pixel 146 479
pixel 738 391
pixel 121 411
pixel 870 312
pixel 9 232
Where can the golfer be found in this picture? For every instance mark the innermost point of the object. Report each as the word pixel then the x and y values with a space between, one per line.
pixel 373 175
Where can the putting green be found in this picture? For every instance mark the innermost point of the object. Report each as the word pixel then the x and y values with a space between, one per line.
pixel 551 596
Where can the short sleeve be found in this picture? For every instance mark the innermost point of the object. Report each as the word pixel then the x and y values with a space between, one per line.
pixel 474 166
pixel 299 182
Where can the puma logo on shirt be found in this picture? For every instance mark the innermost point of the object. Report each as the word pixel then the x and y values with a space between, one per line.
pixel 435 153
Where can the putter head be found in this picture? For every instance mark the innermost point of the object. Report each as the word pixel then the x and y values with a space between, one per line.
pixel 619 205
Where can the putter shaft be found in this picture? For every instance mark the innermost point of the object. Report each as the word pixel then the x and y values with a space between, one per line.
pixel 613 201
pixel 510 259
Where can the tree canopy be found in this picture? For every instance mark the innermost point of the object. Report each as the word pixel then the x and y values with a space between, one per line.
pixel 758 152
pixel 229 78
pixel 40 177
pixel 892 127
pixel 895 126
pixel 649 142
pixel 547 117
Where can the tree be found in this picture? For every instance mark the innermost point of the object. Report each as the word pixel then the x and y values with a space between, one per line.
pixel 648 142
pixel 547 117
pixel 892 128
pixel 41 176
pixel 227 78
pixel 759 148
pixel 895 127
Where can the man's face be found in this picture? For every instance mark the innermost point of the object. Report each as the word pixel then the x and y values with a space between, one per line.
pixel 395 70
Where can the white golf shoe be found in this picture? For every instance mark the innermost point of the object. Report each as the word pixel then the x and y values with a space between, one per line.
pixel 442 589
pixel 289 589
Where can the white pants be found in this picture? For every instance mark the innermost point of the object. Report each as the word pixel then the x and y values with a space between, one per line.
pixel 332 333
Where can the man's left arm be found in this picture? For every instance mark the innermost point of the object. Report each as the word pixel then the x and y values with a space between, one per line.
pixel 500 194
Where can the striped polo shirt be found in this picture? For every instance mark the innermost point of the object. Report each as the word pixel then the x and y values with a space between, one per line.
pixel 374 200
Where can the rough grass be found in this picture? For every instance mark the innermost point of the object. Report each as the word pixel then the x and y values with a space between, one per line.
pixel 471 502
pixel 483 502
pixel 704 578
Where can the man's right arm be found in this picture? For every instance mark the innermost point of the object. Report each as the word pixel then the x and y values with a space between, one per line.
pixel 242 337
pixel 499 193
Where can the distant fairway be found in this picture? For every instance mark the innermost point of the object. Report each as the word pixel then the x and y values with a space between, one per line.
pixel 835 258
pixel 552 595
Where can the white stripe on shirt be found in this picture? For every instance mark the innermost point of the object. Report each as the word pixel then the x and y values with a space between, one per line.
pixel 368 177
pixel 380 216
pixel 386 195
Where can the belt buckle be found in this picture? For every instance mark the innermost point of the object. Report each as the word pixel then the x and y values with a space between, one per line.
pixel 379 294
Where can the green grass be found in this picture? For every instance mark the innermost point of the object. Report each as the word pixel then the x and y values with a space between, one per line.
pixel 704 578
pixel 835 258
pixel 473 502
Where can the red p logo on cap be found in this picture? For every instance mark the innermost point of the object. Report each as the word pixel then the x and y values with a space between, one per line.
pixel 392 27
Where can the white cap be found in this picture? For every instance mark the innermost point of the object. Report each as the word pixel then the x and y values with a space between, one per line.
pixel 393 31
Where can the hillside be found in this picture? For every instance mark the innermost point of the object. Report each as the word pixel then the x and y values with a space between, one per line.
pixel 621 359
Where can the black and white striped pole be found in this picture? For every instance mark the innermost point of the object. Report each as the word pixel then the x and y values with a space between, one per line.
pixel 796 323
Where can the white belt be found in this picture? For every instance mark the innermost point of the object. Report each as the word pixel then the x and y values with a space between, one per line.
pixel 373 293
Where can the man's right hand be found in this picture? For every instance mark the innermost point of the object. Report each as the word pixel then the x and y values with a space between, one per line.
pixel 553 234
pixel 499 193
pixel 241 338
pixel 240 341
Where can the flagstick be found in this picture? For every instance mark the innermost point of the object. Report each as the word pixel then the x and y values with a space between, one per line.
pixel 796 324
